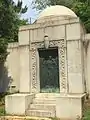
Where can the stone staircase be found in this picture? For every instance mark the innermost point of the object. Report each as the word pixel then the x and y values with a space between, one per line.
pixel 43 105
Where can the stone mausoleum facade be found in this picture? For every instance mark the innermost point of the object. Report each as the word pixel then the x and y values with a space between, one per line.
pixel 49 66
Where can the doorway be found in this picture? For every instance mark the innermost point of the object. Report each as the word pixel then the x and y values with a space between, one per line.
pixel 49 70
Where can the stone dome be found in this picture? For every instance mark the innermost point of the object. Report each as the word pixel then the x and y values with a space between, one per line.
pixel 57 10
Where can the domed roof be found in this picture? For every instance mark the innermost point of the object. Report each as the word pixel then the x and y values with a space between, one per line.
pixel 57 10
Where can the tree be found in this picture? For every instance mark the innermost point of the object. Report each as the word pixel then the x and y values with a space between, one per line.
pixel 3 49
pixel 42 4
pixel 80 7
pixel 10 19
pixel 9 24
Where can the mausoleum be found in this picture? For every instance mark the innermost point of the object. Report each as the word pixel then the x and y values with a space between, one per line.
pixel 49 66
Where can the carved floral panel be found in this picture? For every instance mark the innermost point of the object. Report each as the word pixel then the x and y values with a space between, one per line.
pixel 61 50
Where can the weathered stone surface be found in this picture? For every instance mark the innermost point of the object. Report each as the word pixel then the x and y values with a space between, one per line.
pixel 17 104
pixel 70 106
pixel 43 105
pixel 24 69
pixel 75 66
pixel 41 113
pixel 24 37
pixel 73 31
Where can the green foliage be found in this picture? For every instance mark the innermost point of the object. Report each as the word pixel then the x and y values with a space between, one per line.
pixel 2 103
pixel 42 4
pixel 18 8
pixel 87 115
pixel 10 19
pixel 80 7
pixel 2 98
pixel 3 49
pixel 2 111
pixel 9 24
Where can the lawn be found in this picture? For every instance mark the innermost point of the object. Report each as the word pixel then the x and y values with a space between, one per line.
pixel 87 114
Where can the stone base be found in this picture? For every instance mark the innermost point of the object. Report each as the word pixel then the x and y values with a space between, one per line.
pixel 70 106
pixel 17 104
pixel 66 106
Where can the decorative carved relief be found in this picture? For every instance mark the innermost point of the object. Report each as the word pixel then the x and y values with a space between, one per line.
pixel 34 48
pixel 37 45
pixel 33 71
pixel 62 65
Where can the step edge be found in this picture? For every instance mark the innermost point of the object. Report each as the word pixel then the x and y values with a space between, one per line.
pixel 41 111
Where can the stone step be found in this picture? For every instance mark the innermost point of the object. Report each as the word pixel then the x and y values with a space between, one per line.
pixel 43 106
pixel 47 95
pixel 44 101
pixel 40 113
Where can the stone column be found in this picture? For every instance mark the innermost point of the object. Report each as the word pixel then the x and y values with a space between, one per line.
pixel 24 49
pixel 75 59
pixel 24 69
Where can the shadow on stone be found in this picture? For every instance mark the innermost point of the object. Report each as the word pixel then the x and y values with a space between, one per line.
pixel 5 80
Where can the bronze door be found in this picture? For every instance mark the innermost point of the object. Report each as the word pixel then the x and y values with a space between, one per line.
pixel 49 70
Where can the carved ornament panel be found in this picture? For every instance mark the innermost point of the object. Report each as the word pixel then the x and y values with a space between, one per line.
pixel 61 50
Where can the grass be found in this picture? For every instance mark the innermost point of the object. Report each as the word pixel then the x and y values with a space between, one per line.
pixel 86 114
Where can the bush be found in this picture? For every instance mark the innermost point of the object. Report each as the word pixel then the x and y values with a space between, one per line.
pixel 86 114
pixel 2 110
